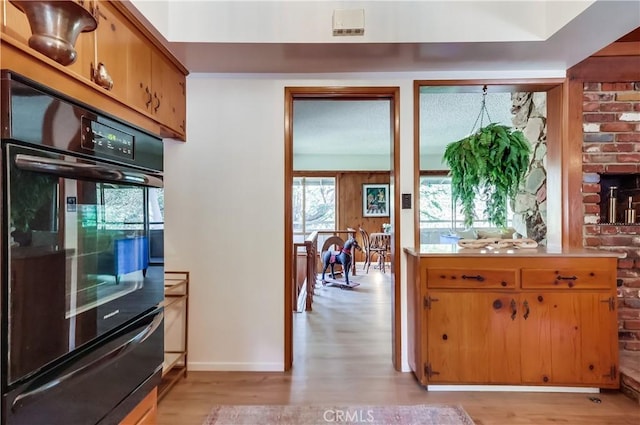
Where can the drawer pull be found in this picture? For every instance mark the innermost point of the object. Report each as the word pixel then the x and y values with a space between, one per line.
pixel 479 278
pixel 567 278
pixel 525 304
pixel 514 309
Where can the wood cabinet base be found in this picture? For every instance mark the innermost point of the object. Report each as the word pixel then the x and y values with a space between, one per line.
pixel 531 319
pixel 145 413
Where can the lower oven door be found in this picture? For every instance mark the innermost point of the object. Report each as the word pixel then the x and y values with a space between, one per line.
pixel 100 377
pixel 78 255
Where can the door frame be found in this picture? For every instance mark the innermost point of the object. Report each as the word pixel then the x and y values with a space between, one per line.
pixel 342 93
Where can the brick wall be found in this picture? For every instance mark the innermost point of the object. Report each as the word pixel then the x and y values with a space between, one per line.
pixel 611 114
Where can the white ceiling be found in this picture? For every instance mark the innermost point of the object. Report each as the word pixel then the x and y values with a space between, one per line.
pixel 399 36
pixel 347 127
pixel 364 126
pixel 294 37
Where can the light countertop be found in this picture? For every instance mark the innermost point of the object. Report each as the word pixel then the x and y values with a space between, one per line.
pixel 429 250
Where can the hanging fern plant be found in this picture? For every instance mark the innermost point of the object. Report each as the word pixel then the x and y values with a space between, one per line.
pixel 491 163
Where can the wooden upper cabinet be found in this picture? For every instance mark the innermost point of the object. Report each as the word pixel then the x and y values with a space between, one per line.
pixel 113 38
pixel 157 87
pixel 169 97
pixel 85 47
pixel 15 23
pixel 148 83
pixel 140 95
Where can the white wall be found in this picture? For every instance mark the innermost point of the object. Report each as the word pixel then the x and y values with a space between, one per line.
pixel 224 209
pixel 384 21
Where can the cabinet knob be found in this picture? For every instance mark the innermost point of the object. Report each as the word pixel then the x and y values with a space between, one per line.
pixel 545 379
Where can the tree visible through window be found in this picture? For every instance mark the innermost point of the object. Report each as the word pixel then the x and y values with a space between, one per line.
pixel 314 205
pixel 438 211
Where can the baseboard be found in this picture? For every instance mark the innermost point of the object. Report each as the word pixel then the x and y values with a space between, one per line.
pixel 514 388
pixel 234 367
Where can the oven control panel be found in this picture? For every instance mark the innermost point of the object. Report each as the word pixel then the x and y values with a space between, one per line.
pixel 103 139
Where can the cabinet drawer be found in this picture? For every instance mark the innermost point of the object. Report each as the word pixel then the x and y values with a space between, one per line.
pixel 471 278
pixel 567 278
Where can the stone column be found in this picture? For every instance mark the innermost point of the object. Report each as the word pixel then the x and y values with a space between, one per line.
pixel 530 207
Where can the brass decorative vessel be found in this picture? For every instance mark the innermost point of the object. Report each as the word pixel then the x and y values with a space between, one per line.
pixel 55 27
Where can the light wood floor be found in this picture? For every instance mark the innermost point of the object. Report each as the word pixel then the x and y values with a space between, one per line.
pixel 342 356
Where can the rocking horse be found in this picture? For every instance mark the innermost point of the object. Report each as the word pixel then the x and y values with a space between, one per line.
pixel 344 257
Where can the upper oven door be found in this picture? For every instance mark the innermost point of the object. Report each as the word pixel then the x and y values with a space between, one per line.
pixel 78 257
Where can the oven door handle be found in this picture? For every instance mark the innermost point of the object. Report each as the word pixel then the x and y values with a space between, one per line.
pixel 60 167
pixel 114 354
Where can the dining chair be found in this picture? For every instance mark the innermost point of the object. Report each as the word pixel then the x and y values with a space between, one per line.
pixel 369 251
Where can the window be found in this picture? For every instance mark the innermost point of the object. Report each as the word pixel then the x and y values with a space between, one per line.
pixel 314 205
pixel 438 213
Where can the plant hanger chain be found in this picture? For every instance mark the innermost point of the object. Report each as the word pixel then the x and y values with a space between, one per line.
pixel 483 110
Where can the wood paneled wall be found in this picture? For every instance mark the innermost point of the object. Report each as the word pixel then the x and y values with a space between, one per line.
pixel 349 201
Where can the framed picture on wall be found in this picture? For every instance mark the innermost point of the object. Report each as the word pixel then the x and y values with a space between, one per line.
pixel 375 200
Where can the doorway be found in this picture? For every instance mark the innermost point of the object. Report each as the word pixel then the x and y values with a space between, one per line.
pixel 553 89
pixel 292 94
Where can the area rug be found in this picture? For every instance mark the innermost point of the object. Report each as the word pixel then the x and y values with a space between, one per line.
pixel 362 414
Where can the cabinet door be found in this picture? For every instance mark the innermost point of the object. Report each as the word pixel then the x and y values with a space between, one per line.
pixel 472 337
pixel 169 98
pixel 113 37
pixel 569 338
pixel 141 94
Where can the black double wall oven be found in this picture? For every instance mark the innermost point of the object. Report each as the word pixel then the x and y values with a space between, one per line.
pixel 82 326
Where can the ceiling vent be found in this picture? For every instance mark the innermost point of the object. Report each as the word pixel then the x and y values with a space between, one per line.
pixel 348 22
